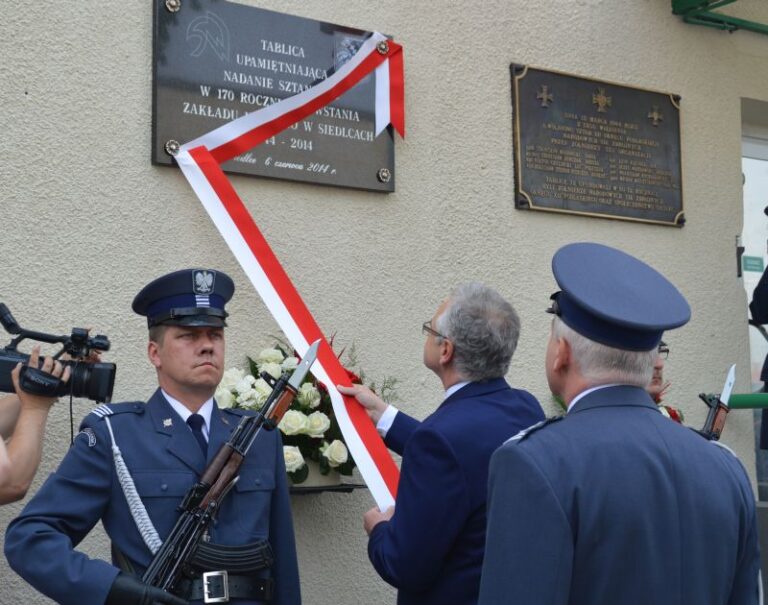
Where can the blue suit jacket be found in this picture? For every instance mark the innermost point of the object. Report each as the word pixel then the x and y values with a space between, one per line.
pixel 432 548
pixel 164 460
pixel 616 504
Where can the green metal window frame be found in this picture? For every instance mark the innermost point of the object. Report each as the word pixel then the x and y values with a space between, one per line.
pixel 701 12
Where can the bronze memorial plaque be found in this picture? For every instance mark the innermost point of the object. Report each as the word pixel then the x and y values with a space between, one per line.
pixel 215 61
pixel 596 148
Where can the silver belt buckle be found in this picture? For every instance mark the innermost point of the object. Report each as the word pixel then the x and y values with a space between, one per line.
pixel 207 597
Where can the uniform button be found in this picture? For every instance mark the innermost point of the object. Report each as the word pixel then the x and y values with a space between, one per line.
pixel 258 481
pixel 164 486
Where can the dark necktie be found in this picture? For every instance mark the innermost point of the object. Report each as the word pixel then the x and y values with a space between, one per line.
pixel 196 422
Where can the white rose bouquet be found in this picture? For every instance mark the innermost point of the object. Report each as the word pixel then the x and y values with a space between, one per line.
pixel 309 428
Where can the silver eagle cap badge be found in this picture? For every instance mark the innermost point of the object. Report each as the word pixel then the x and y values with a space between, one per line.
pixel 203 282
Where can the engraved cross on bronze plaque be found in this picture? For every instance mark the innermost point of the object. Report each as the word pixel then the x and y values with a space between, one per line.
pixel 601 100
pixel 544 96
pixel 656 116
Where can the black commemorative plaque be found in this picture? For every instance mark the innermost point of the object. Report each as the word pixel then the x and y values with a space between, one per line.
pixel 596 148
pixel 215 61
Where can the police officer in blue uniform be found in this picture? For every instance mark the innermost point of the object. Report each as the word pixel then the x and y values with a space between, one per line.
pixel 614 503
pixel 164 446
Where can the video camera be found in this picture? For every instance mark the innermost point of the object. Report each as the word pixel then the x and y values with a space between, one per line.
pixel 90 380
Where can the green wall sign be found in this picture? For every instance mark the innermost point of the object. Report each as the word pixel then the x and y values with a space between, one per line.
pixel 752 263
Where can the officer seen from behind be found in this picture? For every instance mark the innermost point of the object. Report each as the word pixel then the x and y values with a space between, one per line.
pixel 165 444
pixel 614 503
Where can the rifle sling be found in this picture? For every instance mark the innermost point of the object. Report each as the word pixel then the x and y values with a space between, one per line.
pixel 245 558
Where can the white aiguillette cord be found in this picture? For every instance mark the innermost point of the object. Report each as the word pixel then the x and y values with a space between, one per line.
pixel 138 511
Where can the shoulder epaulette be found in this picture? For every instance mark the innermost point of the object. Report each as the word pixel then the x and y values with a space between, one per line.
pixel 533 428
pixel 717 443
pixel 110 409
pixel 726 448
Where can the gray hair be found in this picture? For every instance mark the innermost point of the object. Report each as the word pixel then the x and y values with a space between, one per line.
pixel 601 364
pixel 483 328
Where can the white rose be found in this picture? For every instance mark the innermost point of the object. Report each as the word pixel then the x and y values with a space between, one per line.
pixel 336 453
pixel 262 390
pixel 289 363
pixel 269 356
pixel 293 423
pixel 224 398
pixel 318 424
pixel 308 396
pixel 246 399
pixel 245 384
pixel 230 379
pixel 273 369
pixel 293 458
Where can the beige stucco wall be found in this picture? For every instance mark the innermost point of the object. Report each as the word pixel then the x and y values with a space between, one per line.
pixel 87 220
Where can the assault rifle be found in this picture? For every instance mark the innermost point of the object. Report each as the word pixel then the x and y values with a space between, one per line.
pixel 203 499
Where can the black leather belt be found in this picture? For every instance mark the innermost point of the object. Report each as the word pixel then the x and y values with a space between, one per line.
pixel 220 587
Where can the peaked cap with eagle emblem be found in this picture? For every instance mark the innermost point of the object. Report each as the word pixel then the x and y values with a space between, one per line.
pixel 190 297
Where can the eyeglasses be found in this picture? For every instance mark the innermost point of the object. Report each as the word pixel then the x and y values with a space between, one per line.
pixel 426 328
pixel 663 351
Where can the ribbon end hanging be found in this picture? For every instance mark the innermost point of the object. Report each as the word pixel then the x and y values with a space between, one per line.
pixel 397 89
pixel 381 110
pixel 390 92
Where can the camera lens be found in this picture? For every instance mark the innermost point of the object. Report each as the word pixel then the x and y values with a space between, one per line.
pixel 90 380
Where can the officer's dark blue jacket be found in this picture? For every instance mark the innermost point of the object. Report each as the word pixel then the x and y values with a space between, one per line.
pixel 617 504
pixel 164 460
pixel 432 549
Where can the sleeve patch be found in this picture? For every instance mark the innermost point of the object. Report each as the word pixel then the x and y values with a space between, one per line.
pixel 90 434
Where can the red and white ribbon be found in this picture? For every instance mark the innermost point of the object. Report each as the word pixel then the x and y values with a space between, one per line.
pixel 252 129
pixel 200 161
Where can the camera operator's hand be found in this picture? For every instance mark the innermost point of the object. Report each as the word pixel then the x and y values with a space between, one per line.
pixel 19 462
pixel 49 366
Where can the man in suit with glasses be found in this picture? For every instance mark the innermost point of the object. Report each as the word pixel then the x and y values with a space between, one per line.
pixel 430 545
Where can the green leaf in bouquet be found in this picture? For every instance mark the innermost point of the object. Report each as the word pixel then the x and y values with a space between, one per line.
pixel 334 432
pixel 292 440
pixel 253 367
pixel 346 468
pixel 300 475
pixel 306 446
pixel 325 468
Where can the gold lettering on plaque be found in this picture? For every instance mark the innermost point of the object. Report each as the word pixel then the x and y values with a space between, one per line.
pixel 601 100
